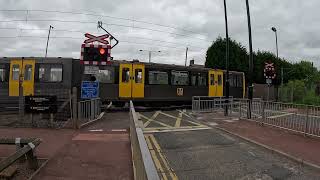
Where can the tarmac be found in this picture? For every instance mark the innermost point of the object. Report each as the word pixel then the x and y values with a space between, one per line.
pixel 214 154
pixel 183 146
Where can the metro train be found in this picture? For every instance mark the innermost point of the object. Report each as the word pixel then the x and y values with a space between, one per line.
pixel 119 81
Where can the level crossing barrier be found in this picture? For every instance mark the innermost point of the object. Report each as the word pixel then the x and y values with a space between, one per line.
pixel 299 118
pixel 88 109
pixel 143 165
pixel 210 104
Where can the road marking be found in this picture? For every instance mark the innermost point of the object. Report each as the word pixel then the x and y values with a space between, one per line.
pixel 157 130
pixel 155 158
pixel 119 130
pixel 96 130
pixel 152 118
pixel 178 121
pixel 154 121
pixel 168 115
pixel 162 157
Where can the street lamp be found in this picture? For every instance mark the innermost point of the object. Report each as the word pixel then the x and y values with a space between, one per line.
pixel 276 34
pixel 149 53
pixel 227 83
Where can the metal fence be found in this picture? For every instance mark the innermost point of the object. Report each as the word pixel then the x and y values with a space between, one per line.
pixel 299 118
pixel 210 104
pixel 144 168
pixel 12 112
pixel 88 110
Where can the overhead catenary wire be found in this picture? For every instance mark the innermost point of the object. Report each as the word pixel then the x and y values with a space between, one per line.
pixel 66 37
pixel 79 31
pixel 108 24
pixel 100 15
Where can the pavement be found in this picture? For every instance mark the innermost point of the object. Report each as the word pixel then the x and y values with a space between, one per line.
pixel 99 151
pixel 214 154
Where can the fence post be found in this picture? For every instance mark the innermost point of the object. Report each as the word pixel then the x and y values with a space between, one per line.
pixel 91 110
pixel 263 112
pixel 240 109
pixel 306 123
pixel 74 108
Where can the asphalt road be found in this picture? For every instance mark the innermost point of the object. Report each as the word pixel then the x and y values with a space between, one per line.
pixel 213 154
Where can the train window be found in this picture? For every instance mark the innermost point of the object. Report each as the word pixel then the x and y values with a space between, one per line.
pixel 50 73
pixel 179 78
pixel 158 77
pixel 105 75
pixel 219 80
pixel 138 75
pixel 15 72
pixel 194 80
pixel 211 79
pixel 202 79
pixel 234 80
pixel 239 81
pixel 28 72
pixel 2 74
pixel 125 74
pixel 231 81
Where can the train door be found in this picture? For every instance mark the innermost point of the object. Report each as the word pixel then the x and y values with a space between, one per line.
pixel 131 82
pixel 138 81
pixel 18 68
pixel 215 83
pixel 219 80
pixel 125 84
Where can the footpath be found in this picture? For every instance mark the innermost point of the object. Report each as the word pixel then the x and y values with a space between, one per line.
pixel 94 152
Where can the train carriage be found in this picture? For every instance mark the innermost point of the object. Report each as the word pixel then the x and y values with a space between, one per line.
pixel 41 76
pixel 119 81
pixel 153 82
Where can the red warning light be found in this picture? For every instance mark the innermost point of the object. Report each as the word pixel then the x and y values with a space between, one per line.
pixel 102 51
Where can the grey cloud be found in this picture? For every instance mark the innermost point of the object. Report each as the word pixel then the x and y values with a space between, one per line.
pixel 297 23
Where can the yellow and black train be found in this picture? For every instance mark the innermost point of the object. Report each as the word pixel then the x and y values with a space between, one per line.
pixel 119 81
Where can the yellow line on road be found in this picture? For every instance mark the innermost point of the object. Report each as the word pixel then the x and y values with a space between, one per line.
pixel 164 160
pixel 168 115
pixel 154 121
pixel 152 118
pixel 155 158
pixel 178 122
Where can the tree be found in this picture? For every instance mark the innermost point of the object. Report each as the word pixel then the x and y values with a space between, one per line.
pixel 216 56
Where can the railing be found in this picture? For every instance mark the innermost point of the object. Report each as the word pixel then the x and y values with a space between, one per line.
pixel 144 168
pixel 210 104
pixel 299 118
pixel 88 109
pixel 25 148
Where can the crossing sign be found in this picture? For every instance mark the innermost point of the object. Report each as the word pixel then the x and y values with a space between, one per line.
pixel 89 89
pixel 92 38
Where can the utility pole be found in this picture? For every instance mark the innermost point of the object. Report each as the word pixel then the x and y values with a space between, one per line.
pixel 149 52
pixel 227 83
pixel 250 93
pixel 185 63
pixel 50 27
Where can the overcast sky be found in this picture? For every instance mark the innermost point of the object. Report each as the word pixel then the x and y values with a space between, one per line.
pixel 165 25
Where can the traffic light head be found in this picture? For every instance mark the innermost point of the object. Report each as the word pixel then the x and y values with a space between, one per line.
pixel 94 53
